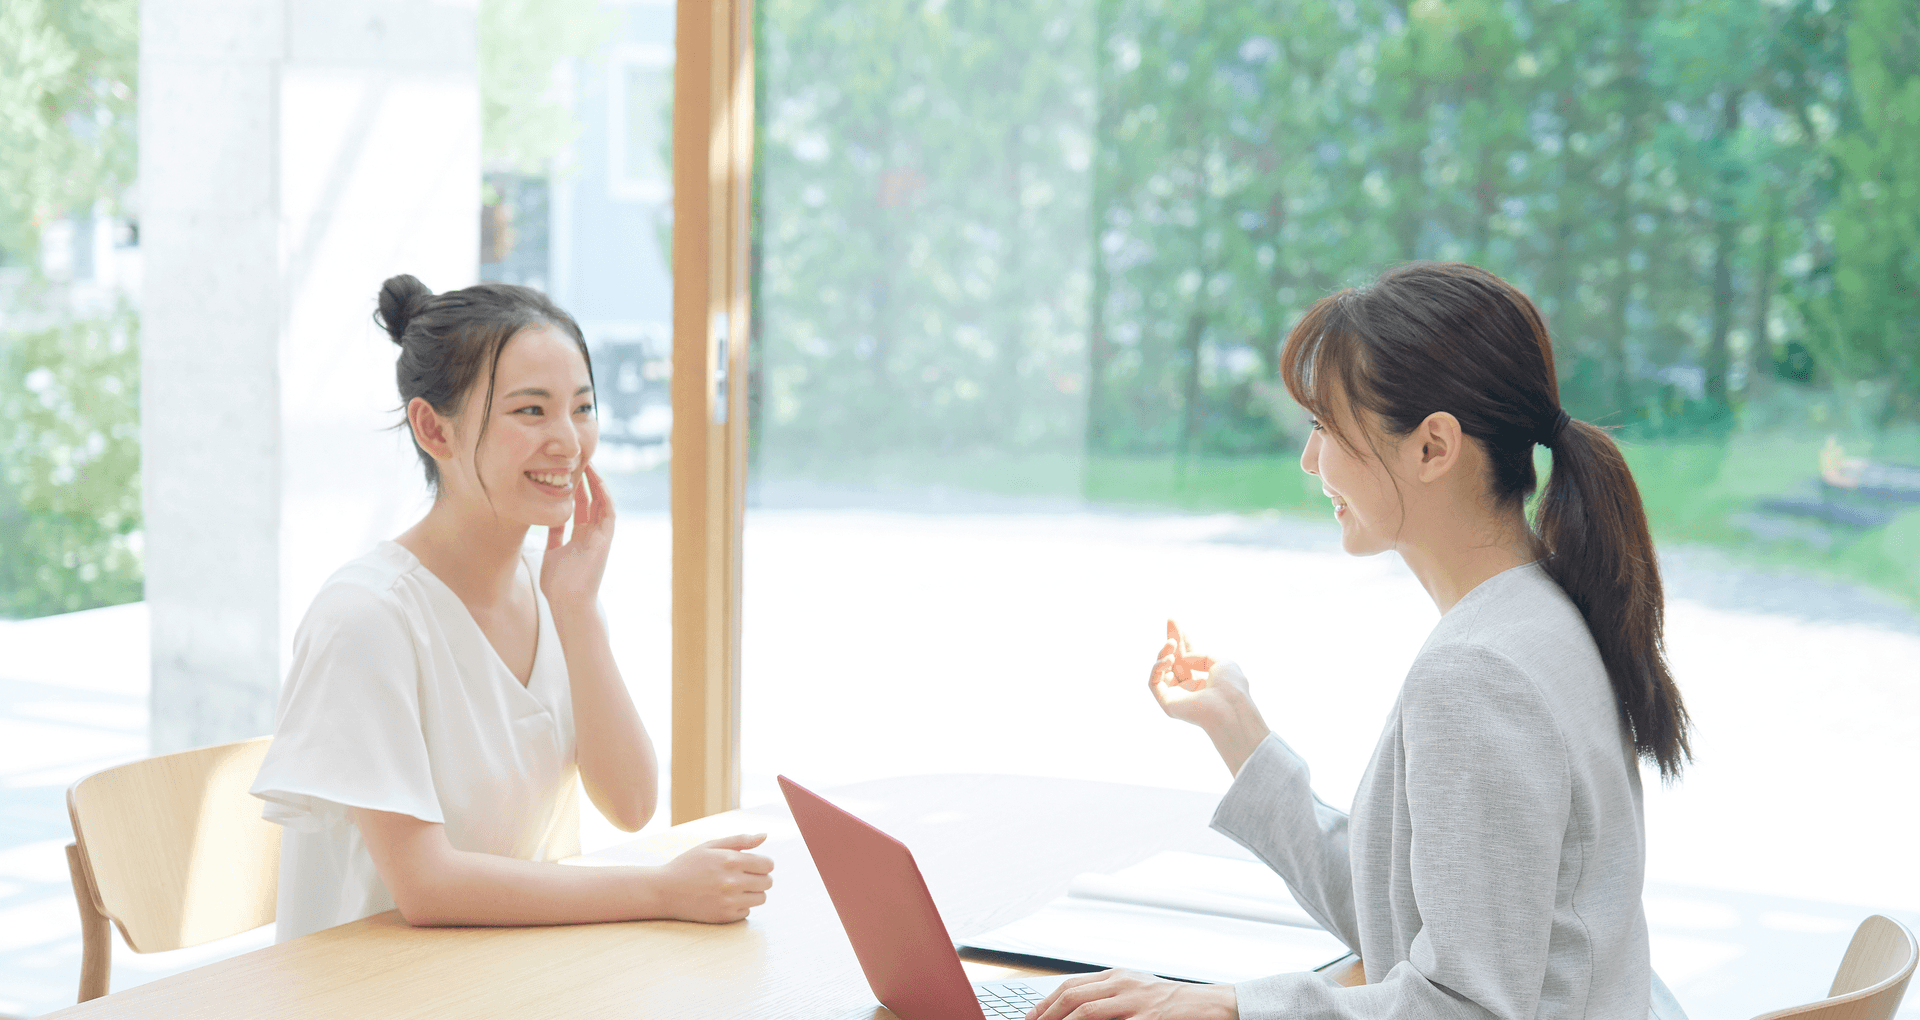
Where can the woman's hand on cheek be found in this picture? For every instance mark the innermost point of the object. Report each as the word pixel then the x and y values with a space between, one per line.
pixel 570 571
pixel 1117 994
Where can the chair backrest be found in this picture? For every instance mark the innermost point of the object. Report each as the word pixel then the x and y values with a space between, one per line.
pixel 174 847
pixel 1873 976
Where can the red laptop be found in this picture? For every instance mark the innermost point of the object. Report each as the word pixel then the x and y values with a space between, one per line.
pixel 891 920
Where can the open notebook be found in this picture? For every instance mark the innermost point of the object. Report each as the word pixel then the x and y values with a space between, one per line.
pixel 1178 915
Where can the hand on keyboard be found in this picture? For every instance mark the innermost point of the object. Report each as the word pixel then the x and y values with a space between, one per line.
pixel 1131 995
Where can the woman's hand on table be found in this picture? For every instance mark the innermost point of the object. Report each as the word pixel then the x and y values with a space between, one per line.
pixel 1131 995
pixel 717 881
pixel 1209 693
pixel 570 571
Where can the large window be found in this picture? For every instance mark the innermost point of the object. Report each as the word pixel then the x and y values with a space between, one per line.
pixel 1023 277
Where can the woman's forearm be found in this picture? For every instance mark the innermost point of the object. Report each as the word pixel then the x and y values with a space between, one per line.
pixel 617 764
pixel 485 889
pixel 434 884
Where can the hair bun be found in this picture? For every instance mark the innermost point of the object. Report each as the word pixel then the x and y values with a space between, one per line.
pixel 401 298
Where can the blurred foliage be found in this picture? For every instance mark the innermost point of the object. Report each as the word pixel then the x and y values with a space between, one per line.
pixel 67 118
pixel 923 249
pixel 1868 321
pixel 1036 226
pixel 70 467
pixel 69 404
pixel 525 116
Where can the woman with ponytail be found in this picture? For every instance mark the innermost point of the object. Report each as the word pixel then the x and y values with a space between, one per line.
pixel 1491 865
pixel 447 689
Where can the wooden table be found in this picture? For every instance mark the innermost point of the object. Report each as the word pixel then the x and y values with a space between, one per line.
pixel 992 848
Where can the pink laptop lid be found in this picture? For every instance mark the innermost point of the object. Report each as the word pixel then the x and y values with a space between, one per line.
pixel 889 915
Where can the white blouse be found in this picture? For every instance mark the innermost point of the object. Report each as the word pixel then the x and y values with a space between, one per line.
pixel 397 702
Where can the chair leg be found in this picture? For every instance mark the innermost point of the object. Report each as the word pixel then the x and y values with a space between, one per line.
pixel 96 942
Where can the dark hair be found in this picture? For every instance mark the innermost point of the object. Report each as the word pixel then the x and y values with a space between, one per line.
pixel 1429 337
pixel 445 338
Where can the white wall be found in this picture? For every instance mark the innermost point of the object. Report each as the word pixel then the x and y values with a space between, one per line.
pixel 293 154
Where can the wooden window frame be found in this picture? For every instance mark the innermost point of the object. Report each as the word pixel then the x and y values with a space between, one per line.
pixel 713 81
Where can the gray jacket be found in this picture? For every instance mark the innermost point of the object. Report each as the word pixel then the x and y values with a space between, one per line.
pixel 1491 867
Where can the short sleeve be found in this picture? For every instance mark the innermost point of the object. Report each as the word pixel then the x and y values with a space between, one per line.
pixel 348 733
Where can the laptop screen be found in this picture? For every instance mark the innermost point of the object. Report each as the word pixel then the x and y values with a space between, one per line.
pixel 887 911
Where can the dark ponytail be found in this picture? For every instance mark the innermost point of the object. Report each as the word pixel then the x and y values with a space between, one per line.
pixel 1592 531
pixel 445 339
pixel 1430 337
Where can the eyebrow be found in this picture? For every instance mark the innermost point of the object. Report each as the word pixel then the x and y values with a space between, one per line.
pixel 535 391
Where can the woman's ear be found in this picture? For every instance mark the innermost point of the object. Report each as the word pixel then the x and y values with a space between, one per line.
pixel 1441 443
pixel 432 430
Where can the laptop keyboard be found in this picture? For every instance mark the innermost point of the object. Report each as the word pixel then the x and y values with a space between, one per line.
pixel 1006 1002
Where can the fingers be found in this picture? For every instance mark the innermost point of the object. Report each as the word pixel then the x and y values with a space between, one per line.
pixel 1191 671
pixel 1176 656
pixel 754 864
pixel 602 503
pixel 1161 665
pixel 554 535
pixel 1110 995
pixel 737 841
pixel 1055 1004
pixel 582 509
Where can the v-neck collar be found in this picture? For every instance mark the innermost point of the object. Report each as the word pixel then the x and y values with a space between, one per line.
pixel 499 664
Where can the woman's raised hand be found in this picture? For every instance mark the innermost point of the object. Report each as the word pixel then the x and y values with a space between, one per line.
pixel 1208 693
pixel 570 572
pixel 1189 686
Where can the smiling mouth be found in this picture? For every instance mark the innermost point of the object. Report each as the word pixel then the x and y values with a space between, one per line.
pixel 555 479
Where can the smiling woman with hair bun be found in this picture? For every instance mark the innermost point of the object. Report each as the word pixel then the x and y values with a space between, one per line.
pixel 447 689
pixel 1491 865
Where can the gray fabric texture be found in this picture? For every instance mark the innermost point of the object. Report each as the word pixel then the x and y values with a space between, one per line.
pixel 1491 866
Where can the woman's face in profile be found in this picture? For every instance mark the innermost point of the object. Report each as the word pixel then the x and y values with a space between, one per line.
pixel 1365 500
pixel 541 433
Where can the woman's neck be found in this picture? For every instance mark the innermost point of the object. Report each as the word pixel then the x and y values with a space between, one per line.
pixel 475 553
pixel 1458 556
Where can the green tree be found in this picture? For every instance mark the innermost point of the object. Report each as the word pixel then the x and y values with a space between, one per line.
pixel 1661 175
pixel 70 467
pixel 524 119
pixel 1868 324
pixel 69 410
pixel 67 119
pixel 924 281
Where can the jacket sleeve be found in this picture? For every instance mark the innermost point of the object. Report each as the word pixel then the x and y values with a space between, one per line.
pixel 1487 788
pixel 1270 809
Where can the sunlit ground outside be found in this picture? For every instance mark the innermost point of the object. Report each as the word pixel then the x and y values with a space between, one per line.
pixel 895 631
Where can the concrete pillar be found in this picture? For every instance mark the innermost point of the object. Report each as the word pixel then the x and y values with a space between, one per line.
pixel 293 154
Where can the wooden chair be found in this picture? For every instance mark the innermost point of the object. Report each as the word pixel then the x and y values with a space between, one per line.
pixel 1873 976
pixel 173 851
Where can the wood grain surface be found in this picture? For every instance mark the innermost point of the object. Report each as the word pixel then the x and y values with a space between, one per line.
pixel 992 848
